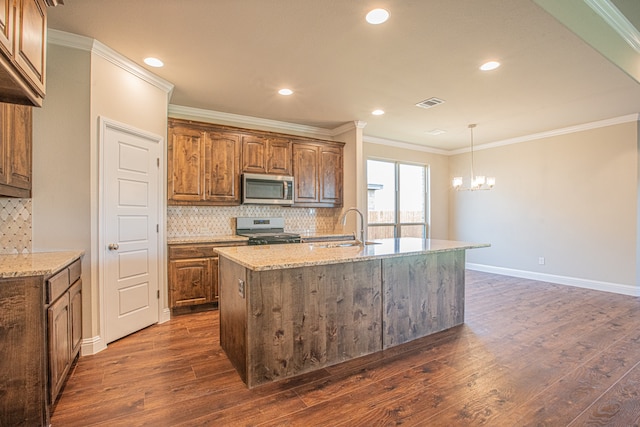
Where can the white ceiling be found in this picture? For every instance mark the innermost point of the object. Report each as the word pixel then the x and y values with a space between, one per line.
pixel 233 55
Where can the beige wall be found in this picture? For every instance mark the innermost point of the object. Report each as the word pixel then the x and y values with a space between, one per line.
pixel 83 86
pixel 571 199
pixel 439 181
pixel 61 164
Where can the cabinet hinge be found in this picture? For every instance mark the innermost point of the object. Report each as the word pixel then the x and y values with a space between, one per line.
pixel 157 228
pixel 158 161
pixel 158 294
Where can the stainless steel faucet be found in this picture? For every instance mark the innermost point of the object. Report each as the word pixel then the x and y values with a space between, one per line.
pixel 344 222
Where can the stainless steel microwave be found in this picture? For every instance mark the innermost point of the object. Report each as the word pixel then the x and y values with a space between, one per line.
pixel 259 189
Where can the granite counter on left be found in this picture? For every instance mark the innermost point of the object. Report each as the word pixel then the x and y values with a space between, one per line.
pixel 35 264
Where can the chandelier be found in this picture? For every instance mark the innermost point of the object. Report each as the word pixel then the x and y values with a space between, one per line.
pixel 479 182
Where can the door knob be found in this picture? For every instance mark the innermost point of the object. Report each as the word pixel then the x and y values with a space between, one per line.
pixel 113 246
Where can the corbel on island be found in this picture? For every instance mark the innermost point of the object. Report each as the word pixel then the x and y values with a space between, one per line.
pixel 291 309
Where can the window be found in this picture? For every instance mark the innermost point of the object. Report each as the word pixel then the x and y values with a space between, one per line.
pixel 397 199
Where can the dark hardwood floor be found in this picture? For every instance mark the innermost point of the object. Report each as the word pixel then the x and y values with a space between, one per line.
pixel 530 353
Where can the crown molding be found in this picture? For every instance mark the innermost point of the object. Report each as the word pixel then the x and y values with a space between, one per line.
pixel 356 124
pixel 191 113
pixel 75 41
pixel 549 134
pixel 616 20
pixel 406 145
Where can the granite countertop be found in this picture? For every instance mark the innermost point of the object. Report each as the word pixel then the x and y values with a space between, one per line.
pixel 35 264
pixel 206 239
pixel 274 257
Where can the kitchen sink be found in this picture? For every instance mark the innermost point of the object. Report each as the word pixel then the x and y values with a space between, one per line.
pixel 344 244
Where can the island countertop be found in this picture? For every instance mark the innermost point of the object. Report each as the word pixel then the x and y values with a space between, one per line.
pixel 274 257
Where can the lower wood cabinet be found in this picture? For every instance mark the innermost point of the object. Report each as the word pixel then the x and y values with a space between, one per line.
pixel 65 333
pixel 193 273
pixel 40 337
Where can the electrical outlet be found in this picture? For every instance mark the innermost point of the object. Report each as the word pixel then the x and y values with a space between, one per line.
pixel 241 287
pixel 203 230
pixel 541 260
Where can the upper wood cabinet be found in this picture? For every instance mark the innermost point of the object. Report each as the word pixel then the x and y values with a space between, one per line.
pixel 268 155
pixel 203 165
pixel 23 45
pixel 222 168
pixel 330 175
pixel 15 150
pixel 318 174
pixel 185 151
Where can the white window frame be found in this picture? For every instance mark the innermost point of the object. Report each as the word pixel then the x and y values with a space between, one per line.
pixel 397 225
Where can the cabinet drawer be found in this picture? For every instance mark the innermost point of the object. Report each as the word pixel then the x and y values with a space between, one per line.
pixel 199 250
pixel 75 270
pixel 57 285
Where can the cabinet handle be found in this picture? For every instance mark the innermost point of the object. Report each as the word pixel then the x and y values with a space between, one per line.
pixel 113 246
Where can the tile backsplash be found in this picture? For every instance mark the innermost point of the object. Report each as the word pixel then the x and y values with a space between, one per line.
pixel 15 226
pixel 220 221
pixel 15 221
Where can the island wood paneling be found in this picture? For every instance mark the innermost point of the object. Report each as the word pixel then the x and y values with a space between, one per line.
pixel 233 331
pixel 302 319
pixel 422 294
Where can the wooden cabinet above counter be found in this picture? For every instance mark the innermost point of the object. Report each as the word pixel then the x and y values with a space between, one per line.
pixel 15 150
pixel 23 48
pixel 205 163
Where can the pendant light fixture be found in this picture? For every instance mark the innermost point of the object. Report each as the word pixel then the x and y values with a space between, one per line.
pixel 479 182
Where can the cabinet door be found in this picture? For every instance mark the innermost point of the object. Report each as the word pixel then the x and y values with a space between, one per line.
pixel 214 279
pixel 6 26
pixel 31 41
pixel 189 282
pixel 266 155
pixel 331 175
pixel 185 169
pixel 279 156
pixel 20 142
pixel 222 168
pixel 59 344
pixel 254 153
pixel 15 150
pixel 75 311
pixel 305 172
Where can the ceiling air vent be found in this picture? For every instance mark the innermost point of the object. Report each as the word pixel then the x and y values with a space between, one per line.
pixel 431 102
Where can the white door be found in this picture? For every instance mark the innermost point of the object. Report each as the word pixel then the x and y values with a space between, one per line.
pixel 130 240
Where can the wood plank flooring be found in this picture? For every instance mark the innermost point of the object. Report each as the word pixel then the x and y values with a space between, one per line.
pixel 529 354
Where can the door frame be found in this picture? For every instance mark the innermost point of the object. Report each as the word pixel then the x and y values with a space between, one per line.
pixel 163 310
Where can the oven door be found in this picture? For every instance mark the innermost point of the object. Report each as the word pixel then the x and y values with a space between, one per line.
pixel 258 189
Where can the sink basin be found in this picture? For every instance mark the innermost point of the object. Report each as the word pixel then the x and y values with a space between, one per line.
pixel 344 244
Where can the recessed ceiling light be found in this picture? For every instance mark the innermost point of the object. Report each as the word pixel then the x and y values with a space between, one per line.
pixel 377 112
pixel 153 62
pixel 435 132
pixel 377 16
pixel 491 65
pixel 285 92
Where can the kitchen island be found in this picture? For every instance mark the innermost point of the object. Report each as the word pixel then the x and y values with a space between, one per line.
pixel 290 309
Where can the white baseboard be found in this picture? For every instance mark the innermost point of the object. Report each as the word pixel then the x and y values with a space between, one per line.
pixel 92 345
pixel 561 280
pixel 165 315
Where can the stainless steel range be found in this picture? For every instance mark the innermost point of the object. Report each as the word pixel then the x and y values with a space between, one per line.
pixel 265 231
